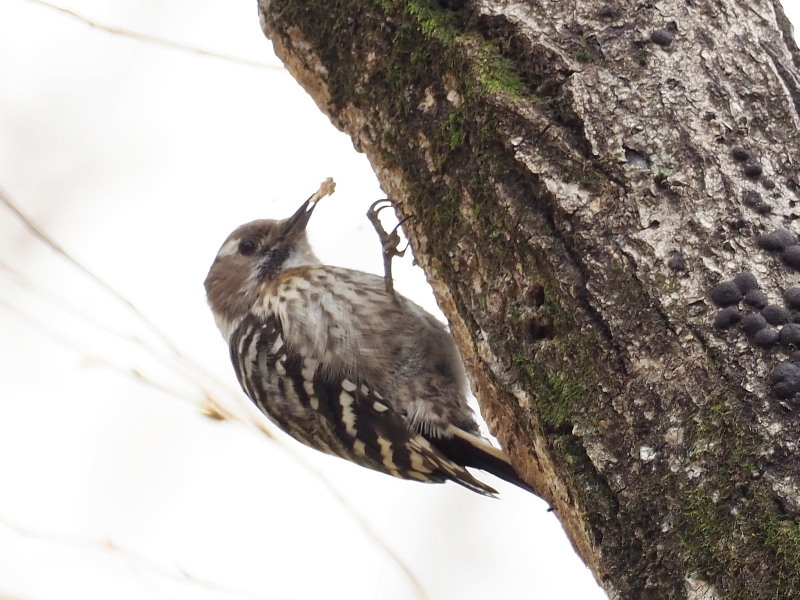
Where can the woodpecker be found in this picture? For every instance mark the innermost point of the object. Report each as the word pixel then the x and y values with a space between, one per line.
pixel 343 365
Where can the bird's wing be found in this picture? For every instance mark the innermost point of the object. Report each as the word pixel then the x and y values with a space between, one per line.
pixel 334 413
pixel 377 432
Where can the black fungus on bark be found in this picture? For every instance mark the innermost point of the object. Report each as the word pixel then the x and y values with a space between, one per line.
pixel 726 294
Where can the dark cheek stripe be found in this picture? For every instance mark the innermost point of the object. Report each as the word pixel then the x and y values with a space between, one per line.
pixel 272 263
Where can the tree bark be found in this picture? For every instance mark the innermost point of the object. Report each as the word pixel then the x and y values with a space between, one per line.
pixel 581 177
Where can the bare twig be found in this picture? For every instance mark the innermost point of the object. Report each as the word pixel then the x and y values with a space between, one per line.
pixel 91 357
pixel 178 364
pixel 53 245
pixel 175 573
pixel 5 596
pixel 365 526
pixel 190 368
pixel 143 37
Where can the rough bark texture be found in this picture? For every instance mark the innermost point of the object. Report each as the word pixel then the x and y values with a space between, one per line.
pixel 581 176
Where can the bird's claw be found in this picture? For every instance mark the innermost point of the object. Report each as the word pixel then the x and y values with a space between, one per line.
pixel 389 240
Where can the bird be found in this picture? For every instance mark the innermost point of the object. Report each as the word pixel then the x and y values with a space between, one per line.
pixel 344 365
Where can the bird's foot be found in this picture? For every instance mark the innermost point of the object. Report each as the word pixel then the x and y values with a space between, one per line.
pixel 390 240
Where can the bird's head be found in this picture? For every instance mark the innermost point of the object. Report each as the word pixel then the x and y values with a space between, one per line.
pixel 253 254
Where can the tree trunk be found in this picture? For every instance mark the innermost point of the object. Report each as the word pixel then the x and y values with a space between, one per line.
pixel 581 178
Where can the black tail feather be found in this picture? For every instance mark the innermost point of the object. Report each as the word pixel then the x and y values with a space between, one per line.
pixel 472 451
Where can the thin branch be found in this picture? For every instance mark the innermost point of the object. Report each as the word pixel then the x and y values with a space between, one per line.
pixel 365 526
pixel 24 282
pixel 5 596
pixel 39 234
pixel 89 356
pixel 143 37
pixel 216 410
pixel 176 573
pixel 48 241
pixel 178 364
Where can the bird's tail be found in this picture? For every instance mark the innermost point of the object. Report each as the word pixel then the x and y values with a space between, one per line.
pixel 471 450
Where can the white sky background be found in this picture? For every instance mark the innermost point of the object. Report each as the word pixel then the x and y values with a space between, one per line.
pixel 139 160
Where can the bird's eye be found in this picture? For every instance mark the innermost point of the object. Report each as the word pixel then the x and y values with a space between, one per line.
pixel 247 246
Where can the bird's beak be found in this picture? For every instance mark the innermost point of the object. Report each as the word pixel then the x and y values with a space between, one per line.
pixel 298 221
